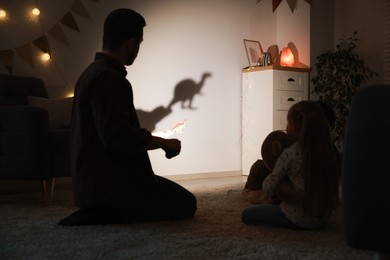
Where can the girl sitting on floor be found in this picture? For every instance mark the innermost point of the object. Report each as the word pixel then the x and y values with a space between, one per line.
pixel 312 170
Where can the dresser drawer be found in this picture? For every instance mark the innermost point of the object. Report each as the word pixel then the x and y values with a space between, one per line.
pixel 290 80
pixel 283 100
pixel 280 120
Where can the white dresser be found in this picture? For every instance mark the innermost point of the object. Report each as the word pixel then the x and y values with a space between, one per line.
pixel 267 94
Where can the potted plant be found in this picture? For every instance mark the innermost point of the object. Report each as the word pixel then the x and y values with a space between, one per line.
pixel 340 73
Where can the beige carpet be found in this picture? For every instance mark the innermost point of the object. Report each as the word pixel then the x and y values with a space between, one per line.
pixel 28 230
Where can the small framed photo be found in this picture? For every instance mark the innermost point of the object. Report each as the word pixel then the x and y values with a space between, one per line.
pixel 253 52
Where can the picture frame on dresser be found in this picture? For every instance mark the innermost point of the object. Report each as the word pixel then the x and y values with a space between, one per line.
pixel 253 52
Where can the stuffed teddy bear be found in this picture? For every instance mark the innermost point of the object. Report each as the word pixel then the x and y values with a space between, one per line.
pixel 272 147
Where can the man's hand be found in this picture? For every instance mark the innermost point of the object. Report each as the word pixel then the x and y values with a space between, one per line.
pixel 173 148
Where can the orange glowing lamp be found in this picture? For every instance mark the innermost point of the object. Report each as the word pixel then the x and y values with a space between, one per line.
pixel 286 57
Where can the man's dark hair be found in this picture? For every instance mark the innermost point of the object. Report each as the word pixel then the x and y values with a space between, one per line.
pixel 121 25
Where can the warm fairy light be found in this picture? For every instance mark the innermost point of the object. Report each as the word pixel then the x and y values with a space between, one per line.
pixel 70 94
pixel 45 56
pixel 177 128
pixel 35 11
pixel 3 14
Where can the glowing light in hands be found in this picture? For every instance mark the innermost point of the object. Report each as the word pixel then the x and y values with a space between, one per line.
pixel 177 128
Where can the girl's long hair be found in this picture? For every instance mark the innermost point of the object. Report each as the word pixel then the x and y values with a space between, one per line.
pixel 319 168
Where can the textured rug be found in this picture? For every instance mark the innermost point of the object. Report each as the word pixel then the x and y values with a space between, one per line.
pixel 29 230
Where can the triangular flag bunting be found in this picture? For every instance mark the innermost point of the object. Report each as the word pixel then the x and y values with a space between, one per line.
pixel 275 4
pixel 292 4
pixel 69 21
pixel 42 44
pixel 78 8
pixel 58 33
pixel 25 52
pixel 7 58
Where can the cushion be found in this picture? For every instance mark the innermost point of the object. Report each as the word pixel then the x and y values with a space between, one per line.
pixel 59 110
pixel 21 86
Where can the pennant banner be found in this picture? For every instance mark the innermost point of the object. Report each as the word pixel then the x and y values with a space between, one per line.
pixel 42 44
pixel 69 21
pixel 275 4
pixel 291 3
pixel 78 8
pixel 58 33
pixel 25 52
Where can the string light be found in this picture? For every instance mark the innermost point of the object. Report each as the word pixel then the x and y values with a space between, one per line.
pixel 35 11
pixel 45 56
pixel 70 94
pixel 3 14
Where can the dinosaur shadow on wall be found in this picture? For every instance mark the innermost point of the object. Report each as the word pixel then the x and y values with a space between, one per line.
pixel 184 92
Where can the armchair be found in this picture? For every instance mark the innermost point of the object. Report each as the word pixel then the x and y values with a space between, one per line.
pixel 30 148
pixel 366 178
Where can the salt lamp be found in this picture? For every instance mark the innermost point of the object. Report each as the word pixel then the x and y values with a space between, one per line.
pixel 286 57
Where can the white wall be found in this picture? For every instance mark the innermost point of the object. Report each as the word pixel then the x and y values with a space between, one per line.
pixel 182 40
pixel 294 28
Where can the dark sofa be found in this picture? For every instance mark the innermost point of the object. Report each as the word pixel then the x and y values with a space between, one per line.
pixel 32 147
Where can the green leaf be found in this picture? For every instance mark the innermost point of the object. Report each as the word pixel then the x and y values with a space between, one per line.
pixel 340 73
